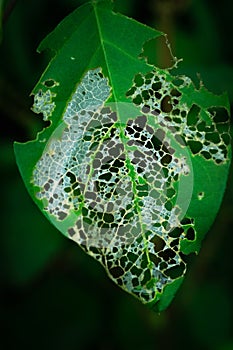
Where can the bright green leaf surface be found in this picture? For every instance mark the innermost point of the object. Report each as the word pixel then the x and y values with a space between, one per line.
pixel 134 163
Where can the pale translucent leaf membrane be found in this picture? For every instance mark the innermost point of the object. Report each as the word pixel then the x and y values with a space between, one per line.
pixel 118 185
pixel 43 103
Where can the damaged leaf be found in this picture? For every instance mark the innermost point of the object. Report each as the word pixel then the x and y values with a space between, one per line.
pixel 134 163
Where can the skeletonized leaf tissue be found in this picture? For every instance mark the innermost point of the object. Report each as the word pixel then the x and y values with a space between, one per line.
pixel 134 162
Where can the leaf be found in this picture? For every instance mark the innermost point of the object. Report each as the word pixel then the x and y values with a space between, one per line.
pixel 134 163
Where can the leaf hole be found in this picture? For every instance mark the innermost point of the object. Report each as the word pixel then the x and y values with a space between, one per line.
pixel 137 100
pixel 138 80
pixel 201 195
pixel 220 115
pixel 116 272
pixel 178 81
pixel 190 234
pixel 195 146
pixel 157 52
pixel 206 154
pixel 176 233
pixel 167 158
pixel 147 277
pixel 193 114
pixel 166 105
pixel 176 271
pixel 50 83
pixel 159 243
pixel 187 221
pixel 167 254
pixel 213 136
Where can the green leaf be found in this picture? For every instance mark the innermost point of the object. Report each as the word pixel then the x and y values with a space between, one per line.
pixel 134 163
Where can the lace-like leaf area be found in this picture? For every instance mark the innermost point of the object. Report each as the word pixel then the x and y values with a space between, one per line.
pixel 205 131
pixel 113 186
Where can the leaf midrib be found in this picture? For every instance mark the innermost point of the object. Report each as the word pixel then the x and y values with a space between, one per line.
pixel 123 141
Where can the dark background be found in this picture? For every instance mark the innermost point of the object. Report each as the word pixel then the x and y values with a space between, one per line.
pixel 52 295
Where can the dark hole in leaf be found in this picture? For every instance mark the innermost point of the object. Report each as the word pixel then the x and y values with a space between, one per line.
pixel 149 76
pixel 142 194
pixel 132 257
pixel 201 195
pixel 174 244
pixel 166 105
pixel 85 211
pixel 71 232
pixel 159 243
pixel 193 114
pixel 131 91
pixel 170 192
pixel 177 120
pixel 186 221
pixel 147 277
pixel 138 80
pixel 144 261
pixel 176 112
pixel 195 146
pixel 157 144
pixel 87 220
pixel 67 189
pixel 201 126
pixel 142 187
pixel 72 177
pixel 129 130
pixel 61 215
pixel 135 282
pixel 176 232
pixel 116 271
pixel 119 282
pixel 50 83
pixel 156 86
pixel 214 137
pixel 175 92
pixel 206 154
pixel 137 100
pixel 168 205
pixel 155 259
pixel 190 234
pixel 178 82
pixel 220 115
pixel 114 170
pixel 226 139
pixel 163 265
pixel 108 218
pixel 87 138
pixel 123 259
pixel 150 53
pixel 222 128
pixel 176 271
pixel 145 95
pixel 105 176
pixel 166 159
pixel 213 151
pixel 137 128
pixel 136 271
pixel 158 95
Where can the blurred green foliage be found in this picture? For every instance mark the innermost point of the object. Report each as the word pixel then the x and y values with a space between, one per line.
pixel 52 294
